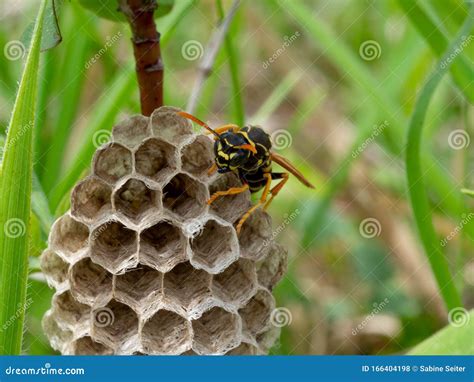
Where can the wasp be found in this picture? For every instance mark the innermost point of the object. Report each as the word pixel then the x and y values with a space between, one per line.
pixel 246 151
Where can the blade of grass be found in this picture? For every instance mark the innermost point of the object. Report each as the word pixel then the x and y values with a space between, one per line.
pixel 277 96
pixel 234 68
pixel 461 70
pixel 415 177
pixel 73 77
pixel 107 109
pixel 15 198
pixel 344 58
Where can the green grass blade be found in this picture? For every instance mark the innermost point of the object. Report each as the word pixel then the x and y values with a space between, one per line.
pixel 454 339
pixel 234 68
pixel 73 77
pixel 468 192
pixel 276 97
pixel 415 178
pixel 107 109
pixel 462 71
pixel 15 199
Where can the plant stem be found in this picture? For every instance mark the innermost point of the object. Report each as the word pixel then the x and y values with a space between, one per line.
pixel 146 48
pixel 415 176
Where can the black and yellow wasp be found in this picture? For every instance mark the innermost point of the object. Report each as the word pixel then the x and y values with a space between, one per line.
pixel 247 152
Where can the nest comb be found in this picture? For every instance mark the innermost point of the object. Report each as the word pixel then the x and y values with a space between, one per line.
pixel 142 265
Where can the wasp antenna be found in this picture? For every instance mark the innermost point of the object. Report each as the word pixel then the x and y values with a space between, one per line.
pixel 198 121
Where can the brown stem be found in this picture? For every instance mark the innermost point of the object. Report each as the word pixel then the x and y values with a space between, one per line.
pixel 146 48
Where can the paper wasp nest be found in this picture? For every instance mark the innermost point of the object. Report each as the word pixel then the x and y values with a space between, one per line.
pixel 142 265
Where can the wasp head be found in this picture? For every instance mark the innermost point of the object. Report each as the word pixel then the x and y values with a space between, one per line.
pixel 232 150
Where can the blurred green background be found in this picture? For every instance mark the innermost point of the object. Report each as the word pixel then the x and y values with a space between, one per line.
pixel 335 82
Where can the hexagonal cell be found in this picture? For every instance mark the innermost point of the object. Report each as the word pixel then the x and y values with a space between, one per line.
pixel 162 246
pixel 70 311
pixel 215 247
pixel 229 207
pixel 185 196
pixel 90 283
pixel 114 246
pixel 134 199
pixel 113 162
pixel 139 287
pixel 256 314
pixel 68 236
pixel 237 283
pixel 256 236
pixel 132 131
pixel 115 325
pixel 91 199
pixel 87 346
pixel 166 333
pixel 187 287
pixel 271 269
pixel 244 349
pixel 197 157
pixel 156 159
pixel 216 332
pixel 54 268
pixel 167 124
pixel 58 337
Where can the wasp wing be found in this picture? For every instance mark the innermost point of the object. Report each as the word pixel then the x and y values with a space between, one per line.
pixel 283 162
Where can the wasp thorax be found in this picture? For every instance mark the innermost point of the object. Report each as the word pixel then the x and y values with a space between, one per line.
pixel 142 264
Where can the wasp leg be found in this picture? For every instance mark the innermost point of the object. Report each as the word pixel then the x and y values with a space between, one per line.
pixel 263 198
pixel 212 169
pixel 275 190
pixel 230 191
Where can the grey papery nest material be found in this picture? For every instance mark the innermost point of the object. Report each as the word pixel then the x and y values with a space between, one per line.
pixel 142 265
